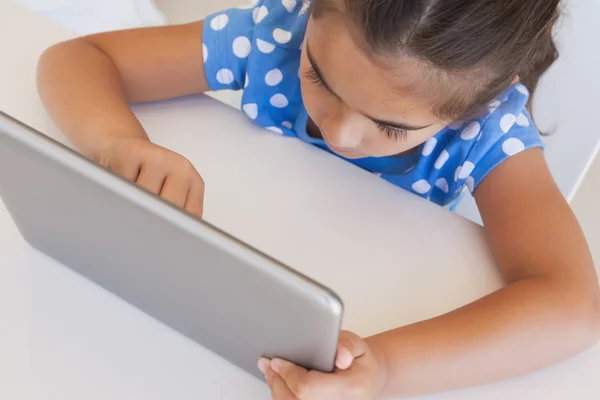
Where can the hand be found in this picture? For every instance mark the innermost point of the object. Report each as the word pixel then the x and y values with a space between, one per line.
pixel 161 171
pixel 361 374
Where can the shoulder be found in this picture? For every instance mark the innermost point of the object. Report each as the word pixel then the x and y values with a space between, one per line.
pixel 281 23
pixel 249 40
pixel 505 130
pixel 465 153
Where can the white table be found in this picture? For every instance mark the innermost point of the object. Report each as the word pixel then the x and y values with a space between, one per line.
pixel 393 257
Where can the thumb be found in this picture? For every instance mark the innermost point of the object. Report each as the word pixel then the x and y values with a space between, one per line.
pixel 350 347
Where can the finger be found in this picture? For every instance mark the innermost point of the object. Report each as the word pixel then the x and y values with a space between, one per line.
pixel 278 386
pixel 151 179
pixel 195 199
pixel 350 347
pixel 299 381
pixel 175 190
pixel 128 170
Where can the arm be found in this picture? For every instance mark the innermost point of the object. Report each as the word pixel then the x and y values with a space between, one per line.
pixel 549 311
pixel 87 83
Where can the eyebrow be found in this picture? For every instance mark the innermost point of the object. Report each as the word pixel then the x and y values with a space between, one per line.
pixel 396 125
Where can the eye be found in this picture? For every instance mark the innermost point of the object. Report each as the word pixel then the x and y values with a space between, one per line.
pixel 311 75
pixel 393 133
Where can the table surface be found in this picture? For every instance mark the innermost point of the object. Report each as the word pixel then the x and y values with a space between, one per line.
pixel 63 337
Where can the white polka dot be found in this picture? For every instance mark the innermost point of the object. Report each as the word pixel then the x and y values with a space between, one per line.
pixel 219 22
pixel 522 89
pixel 282 36
pixel 265 47
pixel 470 183
pixel 494 105
pixel 507 122
pixel 421 187
pixel 242 47
pixel 205 52
pixel 512 146
pixel 471 131
pixel 456 125
pixel 247 81
pixel 273 77
pixel 464 171
pixel 287 124
pixel 275 129
pixel 259 14
pixel 522 120
pixel 225 76
pixel 289 5
pixel 251 110
pixel 279 101
pixel 444 156
pixel 442 184
pixel 305 7
pixel 429 146
pixel 377 174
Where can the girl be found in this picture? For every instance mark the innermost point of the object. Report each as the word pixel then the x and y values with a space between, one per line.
pixel 432 95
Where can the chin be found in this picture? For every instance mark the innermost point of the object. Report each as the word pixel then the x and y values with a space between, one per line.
pixel 350 155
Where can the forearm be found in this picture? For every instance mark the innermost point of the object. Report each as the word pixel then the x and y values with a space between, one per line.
pixel 521 328
pixel 83 93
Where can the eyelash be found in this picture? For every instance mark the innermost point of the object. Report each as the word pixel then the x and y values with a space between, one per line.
pixel 313 77
pixel 391 132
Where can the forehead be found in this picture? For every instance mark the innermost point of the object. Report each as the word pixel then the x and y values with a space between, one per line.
pixel 378 85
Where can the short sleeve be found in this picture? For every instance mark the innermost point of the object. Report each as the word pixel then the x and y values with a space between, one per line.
pixel 517 133
pixel 227 43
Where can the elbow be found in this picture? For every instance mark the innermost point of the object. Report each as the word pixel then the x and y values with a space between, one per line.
pixel 53 66
pixel 585 314
pixel 575 312
pixel 48 62
pixel 595 318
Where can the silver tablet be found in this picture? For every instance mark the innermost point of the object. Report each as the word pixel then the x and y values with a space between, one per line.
pixel 219 292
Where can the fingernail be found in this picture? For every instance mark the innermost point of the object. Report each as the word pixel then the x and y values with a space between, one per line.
pixel 276 365
pixel 263 363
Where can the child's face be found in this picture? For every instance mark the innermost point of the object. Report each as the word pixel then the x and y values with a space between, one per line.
pixel 359 106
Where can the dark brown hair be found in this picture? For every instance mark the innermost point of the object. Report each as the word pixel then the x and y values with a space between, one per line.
pixel 473 47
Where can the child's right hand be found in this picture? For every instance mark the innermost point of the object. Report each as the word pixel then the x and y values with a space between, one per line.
pixel 156 169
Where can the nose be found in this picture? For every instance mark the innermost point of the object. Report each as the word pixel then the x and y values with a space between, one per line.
pixel 341 133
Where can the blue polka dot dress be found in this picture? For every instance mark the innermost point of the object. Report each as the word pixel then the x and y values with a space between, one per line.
pixel 257 49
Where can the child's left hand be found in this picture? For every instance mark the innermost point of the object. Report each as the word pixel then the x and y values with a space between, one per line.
pixel 360 375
